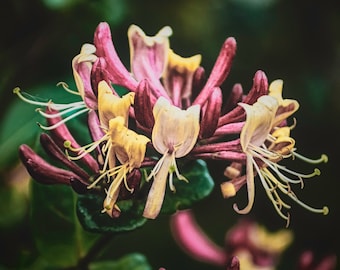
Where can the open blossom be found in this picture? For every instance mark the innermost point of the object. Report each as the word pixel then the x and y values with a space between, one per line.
pixel 265 142
pixel 170 113
pixel 174 134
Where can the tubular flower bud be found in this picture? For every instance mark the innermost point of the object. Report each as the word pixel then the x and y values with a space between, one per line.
pixel 220 70
pixel 42 171
pixel 211 113
pixel 174 135
pixel 143 106
pixel 116 71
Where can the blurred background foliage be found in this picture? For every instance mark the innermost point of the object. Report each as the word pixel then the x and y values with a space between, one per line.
pixel 297 41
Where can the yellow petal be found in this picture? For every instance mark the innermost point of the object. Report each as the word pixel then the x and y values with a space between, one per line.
pixel 286 106
pixel 183 64
pixel 111 106
pixel 128 146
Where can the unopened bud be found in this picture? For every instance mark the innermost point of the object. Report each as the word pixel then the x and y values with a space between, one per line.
pixel 211 114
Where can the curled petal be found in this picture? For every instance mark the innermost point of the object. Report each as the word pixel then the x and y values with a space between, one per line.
pixel 286 106
pixel 82 66
pixel 250 188
pixel 156 194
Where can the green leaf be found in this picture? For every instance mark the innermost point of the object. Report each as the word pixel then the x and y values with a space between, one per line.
pixel 59 237
pixel 199 186
pixel 134 261
pixel 89 212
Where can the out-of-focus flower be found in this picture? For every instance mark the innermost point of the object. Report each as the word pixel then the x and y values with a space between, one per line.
pixel 307 261
pixel 247 245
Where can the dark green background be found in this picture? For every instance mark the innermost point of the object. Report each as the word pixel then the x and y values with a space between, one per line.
pixel 297 41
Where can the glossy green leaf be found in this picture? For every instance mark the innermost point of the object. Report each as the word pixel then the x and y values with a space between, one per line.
pixel 90 216
pixel 59 237
pixel 134 261
pixel 199 186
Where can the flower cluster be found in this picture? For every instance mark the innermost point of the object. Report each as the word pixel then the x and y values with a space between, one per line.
pixel 247 245
pixel 171 112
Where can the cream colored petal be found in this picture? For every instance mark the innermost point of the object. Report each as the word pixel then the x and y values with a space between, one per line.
pixel 287 106
pixel 250 187
pixel 86 55
pixel 259 119
pixel 175 129
pixel 156 194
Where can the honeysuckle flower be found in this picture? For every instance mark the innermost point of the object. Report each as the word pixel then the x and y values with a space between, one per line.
pixel 247 244
pixel 174 134
pixel 265 143
pixel 129 148
pixel 82 66
pixel 120 143
pixel 149 55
